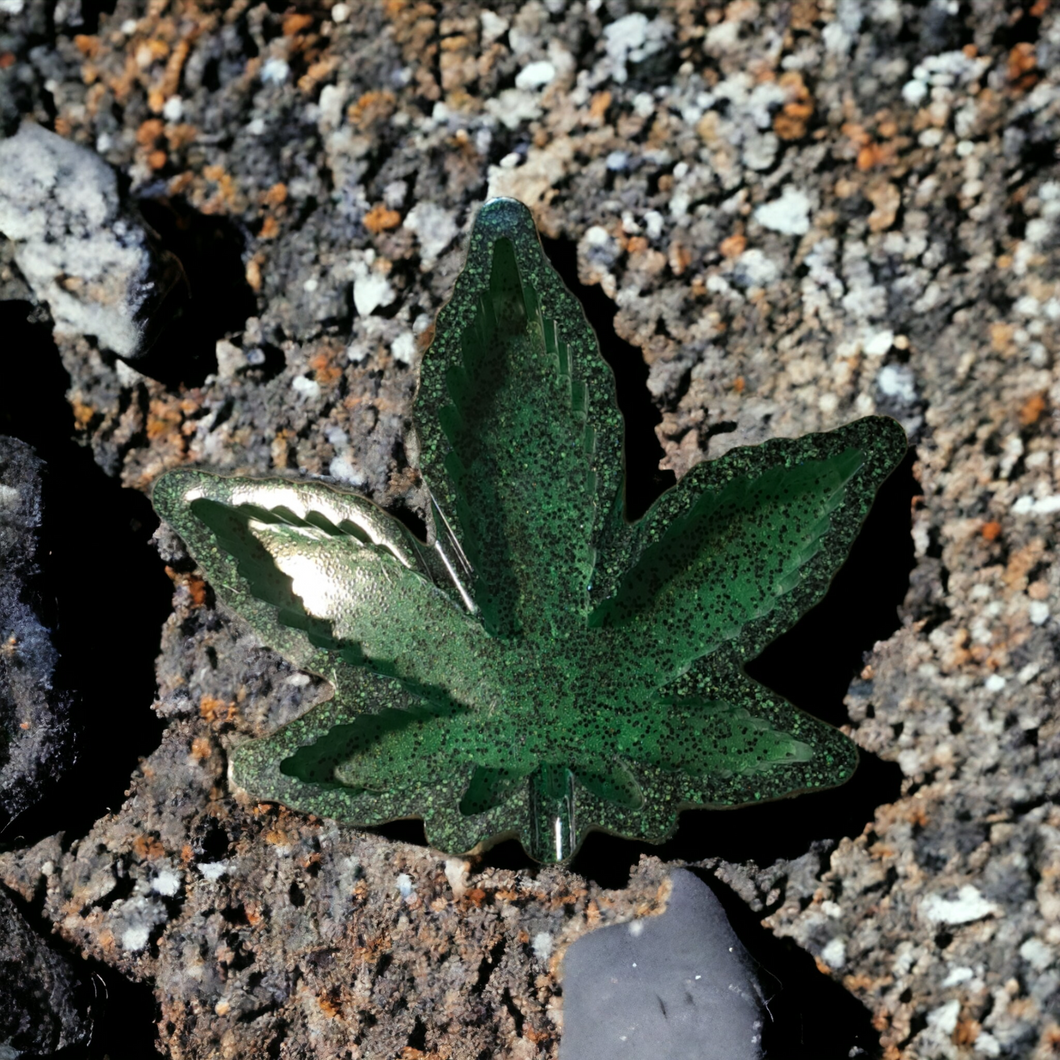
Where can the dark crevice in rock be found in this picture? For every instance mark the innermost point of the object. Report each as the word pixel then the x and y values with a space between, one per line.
pixel 418 1036
pixel 507 855
pixel 409 830
pixel 488 965
pixel 90 12
pixel 514 1011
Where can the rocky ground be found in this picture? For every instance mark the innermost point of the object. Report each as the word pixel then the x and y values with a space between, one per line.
pixel 799 213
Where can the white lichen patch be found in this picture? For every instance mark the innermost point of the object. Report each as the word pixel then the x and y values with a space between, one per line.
pixel 789 214
pixel 214 870
pixel 135 938
pixel 167 883
pixel 535 75
pixel 632 38
pixel 371 288
pixel 456 873
pixel 435 228
pixel 542 945
pixel 403 348
pixel 1037 954
pixel 879 343
pixel 944 1018
pixel 59 204
pixel 968 906
pixel 834 953
pixel 305 387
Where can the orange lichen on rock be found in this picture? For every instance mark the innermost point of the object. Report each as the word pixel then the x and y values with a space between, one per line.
pixel 226 197
pixel 318 71
pixel 791 120
pixel 163 417
pixel 1031 410
pixel 598 107
pixel 872 150
pixel 87 45
pixel 295 23
pixel 325 370
pixel 1021 563
pixel 201 748
pixel 886 200
pixel 253 272
pixel 458 63
pixel 215 710
pixel 679 257
pixel 196 586
pixel 147 847
pixel 170 80
pixel 371 108
pixel 276 195
pixel 379 218
pixel 874 154
pixel 280 449
pixel 733 246
pixel 415 29
pixel 84 413
pixel 150 133
pixel 1001 337
pixel 1022 66
pixel 329 1007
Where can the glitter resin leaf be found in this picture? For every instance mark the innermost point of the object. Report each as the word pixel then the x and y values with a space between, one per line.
pixel 541 667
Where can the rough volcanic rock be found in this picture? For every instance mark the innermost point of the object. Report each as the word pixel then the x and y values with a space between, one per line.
pixel 802 213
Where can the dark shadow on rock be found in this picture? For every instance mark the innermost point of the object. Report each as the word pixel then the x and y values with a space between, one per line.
pixel 642 449
pixel 102 588
pixel 812 1016
pixel 814 662
pixel 813 665
pixel 71 1008
pixel 210 248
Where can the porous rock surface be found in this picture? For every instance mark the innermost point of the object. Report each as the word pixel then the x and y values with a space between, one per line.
pixel 804 212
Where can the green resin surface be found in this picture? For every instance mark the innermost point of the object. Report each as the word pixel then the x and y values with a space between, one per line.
pixel 541 667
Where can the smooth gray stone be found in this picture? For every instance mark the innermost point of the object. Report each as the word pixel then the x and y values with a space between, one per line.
pixel 678 986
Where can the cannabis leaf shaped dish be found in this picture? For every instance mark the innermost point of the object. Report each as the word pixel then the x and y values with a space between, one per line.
pixel 542 667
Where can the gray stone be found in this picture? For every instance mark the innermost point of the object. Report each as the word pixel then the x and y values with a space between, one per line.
pixel 927 285
pixel 679 984
pixel 92 261
pixel 35 732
